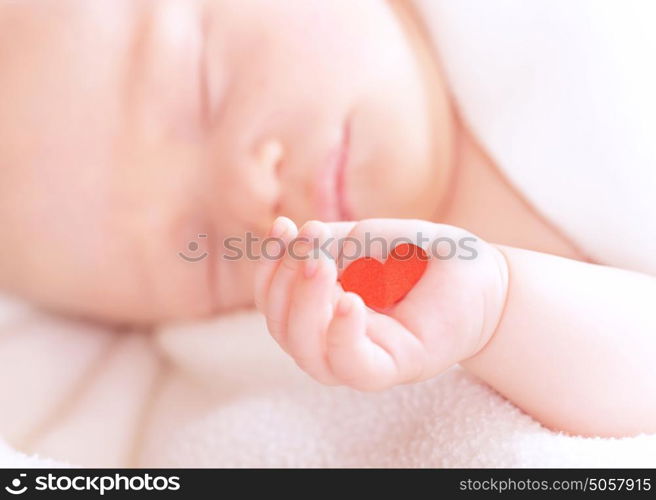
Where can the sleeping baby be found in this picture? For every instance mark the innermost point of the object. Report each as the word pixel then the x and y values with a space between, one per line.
pixel 131 132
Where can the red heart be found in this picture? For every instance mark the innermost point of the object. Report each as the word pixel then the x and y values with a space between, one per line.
pixel 383 285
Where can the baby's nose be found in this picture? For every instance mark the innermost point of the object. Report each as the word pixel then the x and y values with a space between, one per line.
pixel 263 186
pixel 269 155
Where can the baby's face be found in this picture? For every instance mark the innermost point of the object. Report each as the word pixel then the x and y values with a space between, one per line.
pixel 129 128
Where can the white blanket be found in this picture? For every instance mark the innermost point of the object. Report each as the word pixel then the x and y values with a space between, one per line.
pixel 222 394
pixel 562 96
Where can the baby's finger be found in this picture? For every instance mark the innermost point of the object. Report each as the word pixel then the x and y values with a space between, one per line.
pixel 353 358
pixel 339 232
pixel 310 314
pixel 284 279
pixel 407 351
pixel 275 245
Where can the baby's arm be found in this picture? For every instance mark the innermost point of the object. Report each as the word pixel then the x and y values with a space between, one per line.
pixel 574 344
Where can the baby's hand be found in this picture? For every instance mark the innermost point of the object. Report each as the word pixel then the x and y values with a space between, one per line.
pixel 447 317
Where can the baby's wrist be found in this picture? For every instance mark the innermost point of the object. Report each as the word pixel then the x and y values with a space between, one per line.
pixel 496 294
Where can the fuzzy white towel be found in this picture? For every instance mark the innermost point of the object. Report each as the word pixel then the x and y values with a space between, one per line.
pixel 221 394
pixel 561 94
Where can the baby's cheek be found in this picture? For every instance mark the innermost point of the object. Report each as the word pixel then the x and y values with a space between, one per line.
pixel 192 269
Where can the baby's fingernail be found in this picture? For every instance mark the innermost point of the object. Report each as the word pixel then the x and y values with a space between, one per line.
pixel 306 240
pixel 310 268
pixel 344 305
pixel 279 227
